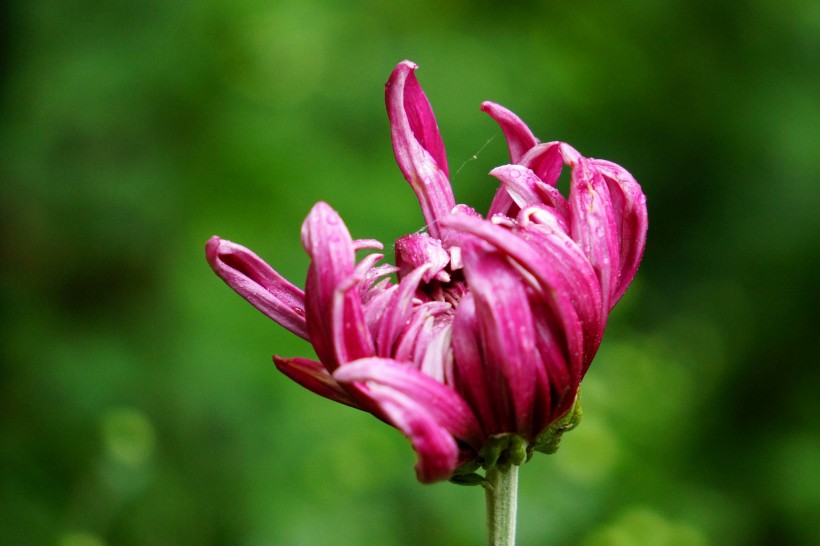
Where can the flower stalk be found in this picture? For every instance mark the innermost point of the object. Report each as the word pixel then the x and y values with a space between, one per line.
pixel 501 492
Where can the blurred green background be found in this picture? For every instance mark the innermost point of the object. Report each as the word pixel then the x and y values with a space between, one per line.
pixel 138 402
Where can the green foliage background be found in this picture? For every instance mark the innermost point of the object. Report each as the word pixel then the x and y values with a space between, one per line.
pixel 138 403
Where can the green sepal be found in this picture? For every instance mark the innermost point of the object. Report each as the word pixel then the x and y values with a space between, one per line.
pixel 468 467
pixel 468 479
pixel 504 449
pixel 517 450
pixel 549 440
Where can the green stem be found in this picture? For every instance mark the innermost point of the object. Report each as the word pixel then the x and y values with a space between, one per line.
pixel 501 491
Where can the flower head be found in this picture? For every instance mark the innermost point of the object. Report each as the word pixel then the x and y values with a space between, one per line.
pixel 485 326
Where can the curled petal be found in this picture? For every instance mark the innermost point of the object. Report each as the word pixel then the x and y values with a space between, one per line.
pixel 253 279
pixel 546 233
pixel 629 208
pixel 526 188
pixel 335 317
pixel 397 312
pixel 361 244
pixel 376 304
pixel 594 227
pixel 546 161
pixel 417 144
pixel 350 337
pixel 421 324
pixel 437 359
pixel 441 402
pixel 314 377
pixel 330 248
pixel 519 137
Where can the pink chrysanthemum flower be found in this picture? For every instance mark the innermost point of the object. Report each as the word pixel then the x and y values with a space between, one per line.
pixel 481 341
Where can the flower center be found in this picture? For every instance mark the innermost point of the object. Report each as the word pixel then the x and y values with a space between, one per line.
pixel 443 281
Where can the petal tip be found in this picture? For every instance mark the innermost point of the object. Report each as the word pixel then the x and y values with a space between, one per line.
pixel 212 249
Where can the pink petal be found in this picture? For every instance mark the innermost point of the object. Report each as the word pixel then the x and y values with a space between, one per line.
pixel 546 161
pixel 436 358
pixel 471 376
pixel 349 332
pixel 330 248
pixel 519 137
pixel 441 402
pixel 335 317
pixel 525 189
pixel 413 336
pixel 594 228
pixel 507 334
pixel 546 233
pixel 542 270
pixel 361 244
pixel 376 305
pixel 629 207
pixel 250 277
pixel 417 144
pixel 397 312
pixel 314 377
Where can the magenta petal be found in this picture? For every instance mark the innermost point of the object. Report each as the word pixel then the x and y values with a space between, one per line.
pixel 417 144
pixel 376 304
pixel 594 228
pixel 546 161
pixel 335 317
pixel 540 267
pixel 519 137
pixel 471 375
pixel 361 244
pixel 330 248
pixel 507 333
pixel 421 324
pixel 546 233
pixel 437 359
pixel 349 333
pixel 314 377
pixel 629 208
pixel 250 277
pixel 442 403
pixel 526 188
pixel 398 310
